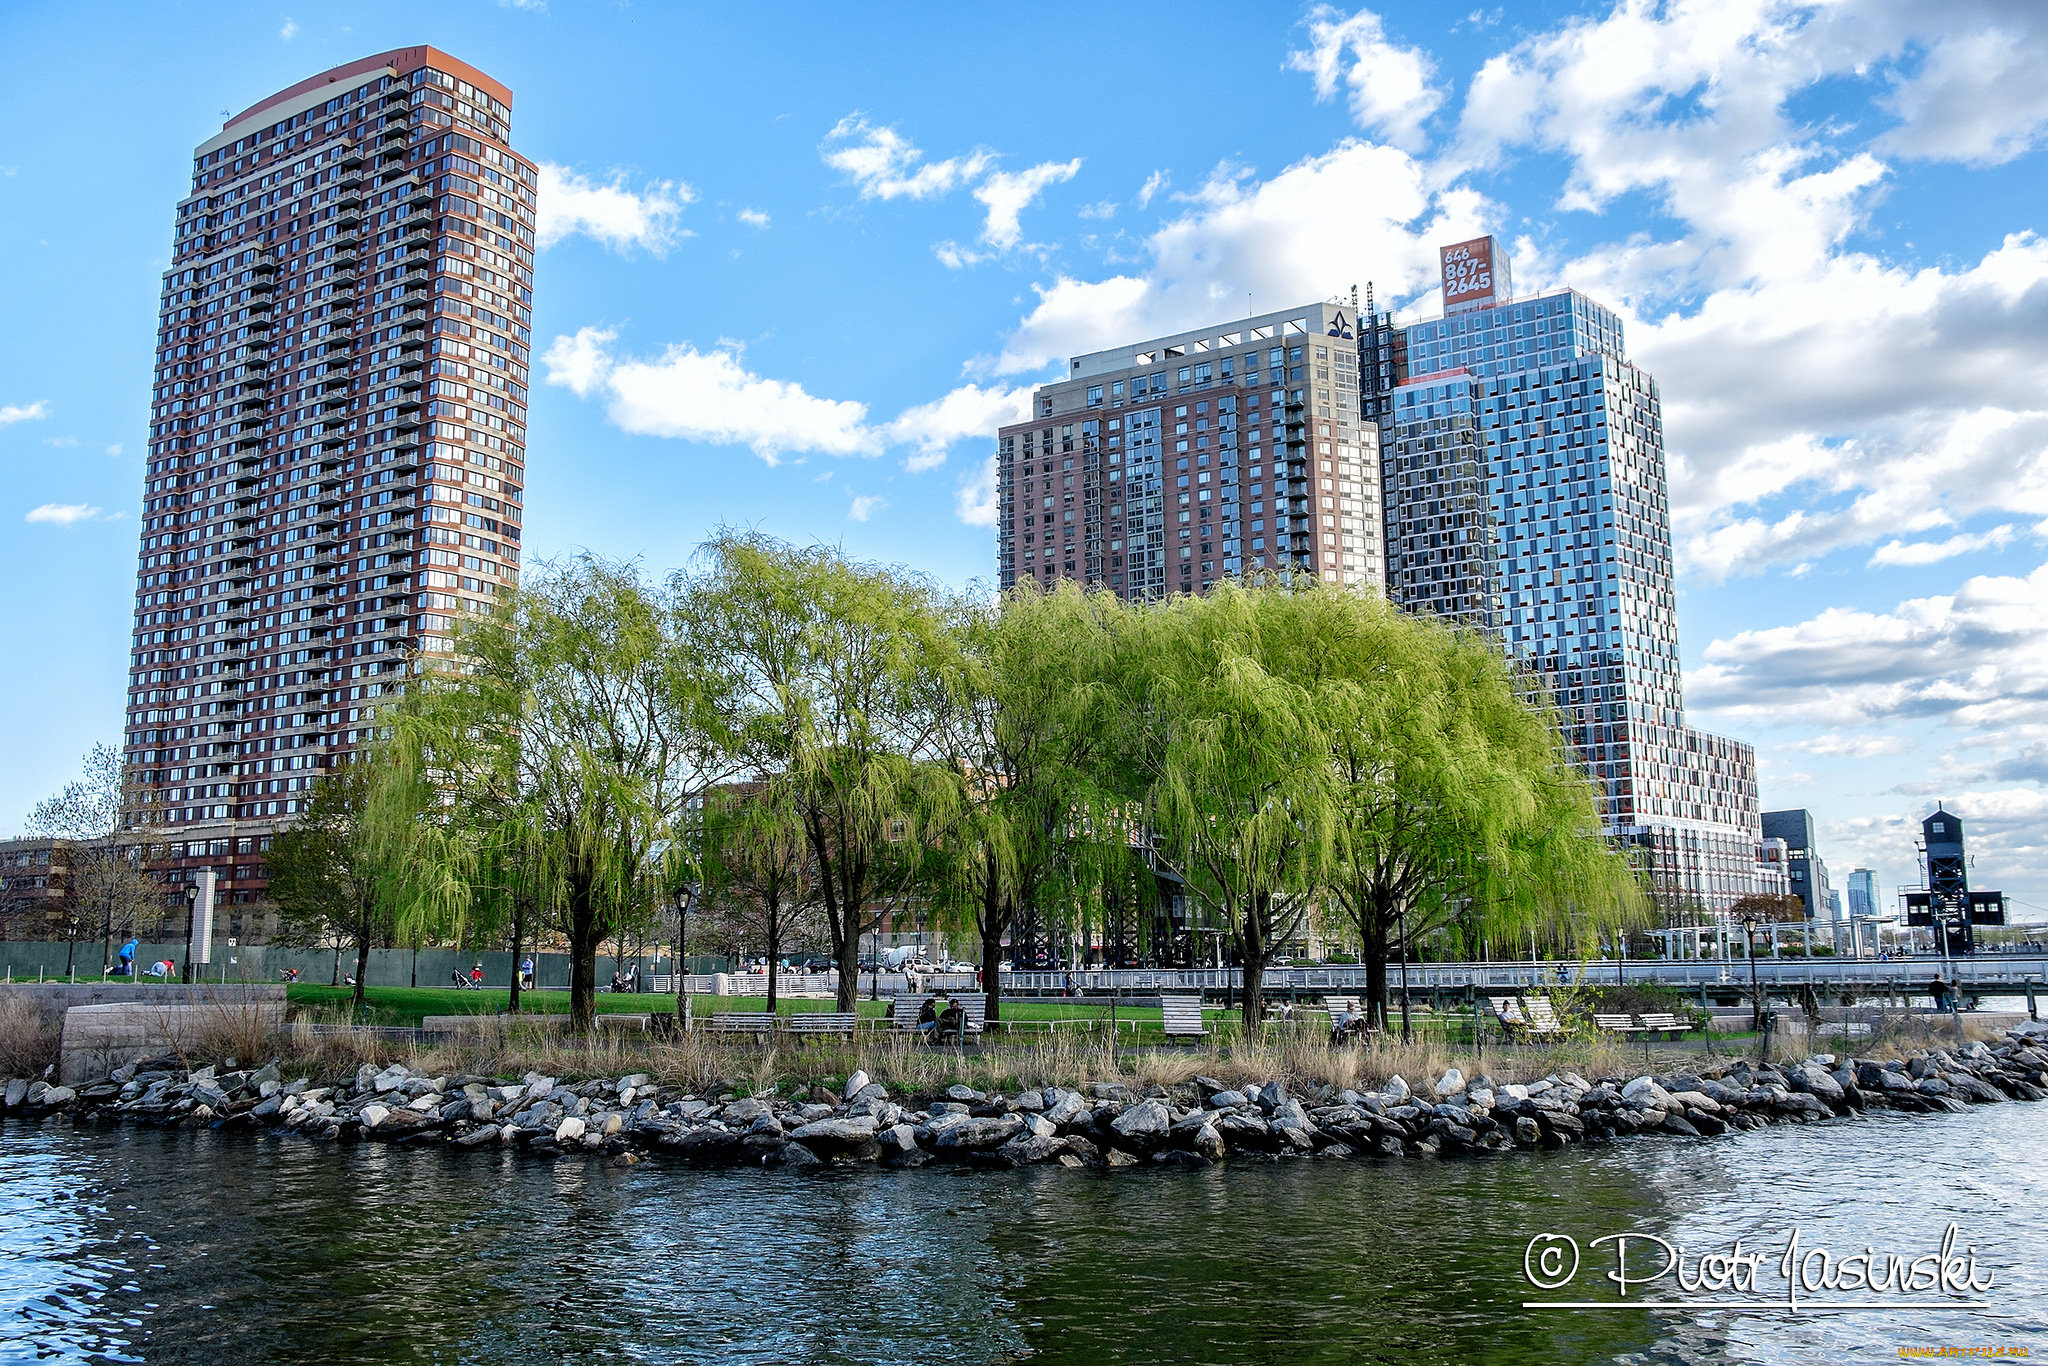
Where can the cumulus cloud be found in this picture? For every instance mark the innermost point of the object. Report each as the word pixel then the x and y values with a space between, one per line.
pixel 611 211
pixel 1006 195
pixel 1977 96
pixel 865 506
pixel 974 501
pixel 1390 87
pixel 11 413
pixel 62 514
pixel 1931 552
pixel 711 396
pixel 753 218
pixel 883 164
pixel 969 411
pixel 1975 658
pixel 707 396
pixel 289 31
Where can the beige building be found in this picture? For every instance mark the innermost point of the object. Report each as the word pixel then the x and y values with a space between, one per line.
pixel 1166 465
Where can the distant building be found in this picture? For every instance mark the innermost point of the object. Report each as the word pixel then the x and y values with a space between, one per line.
pixel 1522 458
pixel 1806 869
pixel 337 438
pixel 1162 466
pixel 1863 892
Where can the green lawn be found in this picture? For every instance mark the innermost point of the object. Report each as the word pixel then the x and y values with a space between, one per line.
pixel 406 1006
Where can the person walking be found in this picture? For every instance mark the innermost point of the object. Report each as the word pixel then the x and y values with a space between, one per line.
pixel 526 973
pixel 476 977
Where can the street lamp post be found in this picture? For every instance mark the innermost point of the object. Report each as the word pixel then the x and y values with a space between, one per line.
pixel 191 914
pixel 1756 999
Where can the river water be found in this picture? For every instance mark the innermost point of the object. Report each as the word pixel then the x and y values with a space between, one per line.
pixel 177 1246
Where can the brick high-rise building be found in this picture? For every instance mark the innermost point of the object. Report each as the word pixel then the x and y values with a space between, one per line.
pixel 337 440
pixel 1523 462
pixel 1163 466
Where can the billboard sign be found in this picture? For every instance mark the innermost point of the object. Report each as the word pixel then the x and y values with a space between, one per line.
pixel 1470 273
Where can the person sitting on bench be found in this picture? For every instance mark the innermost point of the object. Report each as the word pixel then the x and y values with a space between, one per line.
pixel 928 1017
pixel 1348 1026
pixel 953 1023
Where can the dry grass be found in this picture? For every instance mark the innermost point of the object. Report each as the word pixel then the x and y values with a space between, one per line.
pixel 28 1042
pixel 700 1063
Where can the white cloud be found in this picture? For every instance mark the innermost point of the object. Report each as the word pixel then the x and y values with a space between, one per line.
pixel 883 164
pixel 62 514
pixel 753 218
pixel 289 31
pixel 1974 659
pixel 864 507
pixel 114 449
pixel 968 411
pixel 11 413
pixel 1930 552
pixel 1103 209
pixel 60 441
pixel 1850 746
pixel 1977 96
pixel 619 217
pixel 974 501
pixel 1007 194
pixel 707 396
pixel 1154 183
pixel 1390 86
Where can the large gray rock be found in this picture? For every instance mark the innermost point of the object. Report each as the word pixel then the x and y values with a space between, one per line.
pixel 1396 1090
pixel 975 1135
pixel 1144 1124
pixel 1026 1149
pixel 853 1084
pixel 1451 1082
pixel 835 1135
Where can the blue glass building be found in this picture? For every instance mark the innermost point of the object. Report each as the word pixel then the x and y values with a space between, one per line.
pixel 1522 467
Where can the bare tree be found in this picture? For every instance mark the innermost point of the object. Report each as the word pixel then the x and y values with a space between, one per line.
pixel 109 887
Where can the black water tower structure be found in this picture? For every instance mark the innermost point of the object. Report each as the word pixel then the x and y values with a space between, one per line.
pixel 1947 905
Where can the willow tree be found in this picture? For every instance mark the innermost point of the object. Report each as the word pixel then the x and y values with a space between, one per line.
pixel 588 723
pixel 1224 748
pixel 1458 806
pixel 840 670
pixel 1028 822
pixel 757 867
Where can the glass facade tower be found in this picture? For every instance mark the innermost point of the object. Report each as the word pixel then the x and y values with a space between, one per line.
pixel 1523 463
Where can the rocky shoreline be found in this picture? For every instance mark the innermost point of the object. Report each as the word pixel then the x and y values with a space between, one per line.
pixel 1193 1124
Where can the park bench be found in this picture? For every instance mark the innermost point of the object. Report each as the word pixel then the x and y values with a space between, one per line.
pixel 756 1022
pixel 1624 1025
pixel 1336 1007
pixel 1508 1010
pixel 809 1022
pixel 1540 1017
pixel 1671 1026
pixel 903 1012
pixel 1182 1016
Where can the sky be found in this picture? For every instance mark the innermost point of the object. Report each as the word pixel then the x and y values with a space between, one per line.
pixel 799 262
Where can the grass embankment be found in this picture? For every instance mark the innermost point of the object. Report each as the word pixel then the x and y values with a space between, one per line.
pixel 407 1006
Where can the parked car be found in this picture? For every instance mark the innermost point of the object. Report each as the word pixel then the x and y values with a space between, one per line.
pixel 956 967
pixel 818 965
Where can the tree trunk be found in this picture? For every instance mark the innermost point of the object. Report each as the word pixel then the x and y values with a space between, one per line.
pixel 1375 955
pixel 362 967
pixel 846 948
pixel 337 964
pixel 996 913
pixel 992 970
pixel 584 936
pixel 518 941
pixel 774 949
pixel 679 966
pixel 1251 951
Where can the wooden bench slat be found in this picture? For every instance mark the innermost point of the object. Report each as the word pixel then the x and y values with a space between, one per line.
pixel 1182 1017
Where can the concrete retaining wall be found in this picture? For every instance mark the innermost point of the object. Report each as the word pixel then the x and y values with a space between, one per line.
pixel 99 1038
pixel 53 999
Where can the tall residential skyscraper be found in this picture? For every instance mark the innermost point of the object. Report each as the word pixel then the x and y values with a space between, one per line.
pixel 1163 466
pixel 337 440
pixel 1522 457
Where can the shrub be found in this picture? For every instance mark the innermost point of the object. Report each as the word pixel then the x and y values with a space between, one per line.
pixel 28 1042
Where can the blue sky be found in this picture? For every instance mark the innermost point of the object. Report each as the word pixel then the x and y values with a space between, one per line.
pixel 801 260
